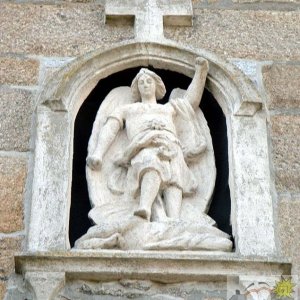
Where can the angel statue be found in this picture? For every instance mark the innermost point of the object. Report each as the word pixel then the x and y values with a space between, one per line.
pixel 151 169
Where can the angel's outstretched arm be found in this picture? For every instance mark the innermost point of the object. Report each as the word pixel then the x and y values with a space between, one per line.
pixel 105 139
pixel 195 89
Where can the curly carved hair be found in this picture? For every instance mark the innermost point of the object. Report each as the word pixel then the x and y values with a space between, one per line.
pixel 160 89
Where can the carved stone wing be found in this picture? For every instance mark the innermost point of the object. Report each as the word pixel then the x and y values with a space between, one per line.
pixel 202 166
pixel 99 192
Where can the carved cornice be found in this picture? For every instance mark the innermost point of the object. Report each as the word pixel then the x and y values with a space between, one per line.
pixel 70 86
pixel 162 266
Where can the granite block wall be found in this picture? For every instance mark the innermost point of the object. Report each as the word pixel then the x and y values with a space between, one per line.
pixel 39 37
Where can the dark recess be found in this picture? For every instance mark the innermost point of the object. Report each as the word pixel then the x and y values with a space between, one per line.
pixel 80 205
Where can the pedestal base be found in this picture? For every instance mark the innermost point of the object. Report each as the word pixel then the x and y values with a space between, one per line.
pixel 202 268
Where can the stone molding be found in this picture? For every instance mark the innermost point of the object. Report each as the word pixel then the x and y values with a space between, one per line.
pixel 45 285
pixel 161 266
pixel 62 96
pixel 82 74
pixel 46 273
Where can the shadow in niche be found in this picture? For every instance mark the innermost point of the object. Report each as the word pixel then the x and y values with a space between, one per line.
pixel 80 205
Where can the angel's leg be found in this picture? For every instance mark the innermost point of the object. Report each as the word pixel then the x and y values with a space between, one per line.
pixel 173 200
pixel 149 189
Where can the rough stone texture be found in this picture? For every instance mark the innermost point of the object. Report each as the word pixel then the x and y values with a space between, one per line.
pixel 280 82
pixel 51 65
pixel 52 153
pixel 285 135
pixel 139 289
pixel 195 2
pixel 57 30
pixel 276 5
pixel 142 275
pixel 17 289
pixel 12 180
pixel 11 245
pixel 45 284
pixel 260 1
pixel 73 29
pixel 8 246
pixel 289 228
pixel 149 23
pixel 245 34
pixel 16 107
pixel 2 289
pixel 158 266
pixel 252 187
pixel 249 68
pixel 18 71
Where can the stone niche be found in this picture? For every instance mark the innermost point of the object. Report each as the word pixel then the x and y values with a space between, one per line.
pixel 53 270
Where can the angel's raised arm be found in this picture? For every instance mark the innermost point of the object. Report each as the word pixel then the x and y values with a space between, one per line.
pixel 195 89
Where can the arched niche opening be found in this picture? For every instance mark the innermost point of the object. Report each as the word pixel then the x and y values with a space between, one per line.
pixel 62 96
pixel 221 204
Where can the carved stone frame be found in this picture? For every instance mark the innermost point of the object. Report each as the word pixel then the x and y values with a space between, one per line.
pixel 58 104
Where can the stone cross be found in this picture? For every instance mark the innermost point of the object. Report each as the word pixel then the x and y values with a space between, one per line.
pixel 150 15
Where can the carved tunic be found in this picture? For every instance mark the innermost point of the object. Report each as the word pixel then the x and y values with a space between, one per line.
pixel 153 145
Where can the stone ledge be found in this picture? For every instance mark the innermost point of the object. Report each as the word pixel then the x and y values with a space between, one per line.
pixel 151 265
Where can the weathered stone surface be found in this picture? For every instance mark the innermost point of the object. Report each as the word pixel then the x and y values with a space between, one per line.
pixel 18 71
pixel 2 289
pixel 51 65
pixel 12 181
pixel 275 5
pixel 285 134
pixel 139 289
pixel 16 107
pixel 261 1
pixel 149 23
pixel 260 34
pixel 252 187
pixel 57 30
pixel 45 284
pixel 280 82
pixel 10 243
pixel 8 247
pixel 17 289
pixel 158 266
pixel 195 2
pixel 289 228
pixel 249 68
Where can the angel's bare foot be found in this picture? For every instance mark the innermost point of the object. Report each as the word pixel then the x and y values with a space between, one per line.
pixel 143 213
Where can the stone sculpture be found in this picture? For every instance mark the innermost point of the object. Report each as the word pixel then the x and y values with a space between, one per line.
pixel 151 170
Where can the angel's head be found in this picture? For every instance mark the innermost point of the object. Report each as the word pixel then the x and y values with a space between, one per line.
pixel 147 84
